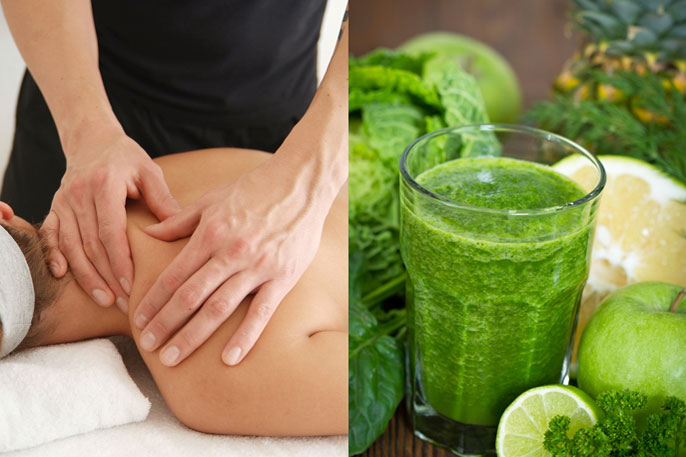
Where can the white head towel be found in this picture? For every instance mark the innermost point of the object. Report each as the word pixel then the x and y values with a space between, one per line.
pixel 16 294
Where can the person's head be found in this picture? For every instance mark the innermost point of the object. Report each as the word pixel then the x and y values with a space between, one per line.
pixel 46 287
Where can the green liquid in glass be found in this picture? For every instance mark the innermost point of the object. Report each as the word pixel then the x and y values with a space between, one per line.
pixel 492 298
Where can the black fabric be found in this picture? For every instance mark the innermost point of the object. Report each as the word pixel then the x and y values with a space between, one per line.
pixel 37 162
pixel 243 62
pixel 180 75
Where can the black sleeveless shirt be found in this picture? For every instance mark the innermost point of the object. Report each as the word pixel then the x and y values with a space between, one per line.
pixel 211 62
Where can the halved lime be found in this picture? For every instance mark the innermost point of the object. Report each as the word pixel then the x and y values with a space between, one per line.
pixel 522 427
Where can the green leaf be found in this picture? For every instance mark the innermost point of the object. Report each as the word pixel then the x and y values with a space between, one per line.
pixel 653 5
pixel 359 98
pixel 375 379
pixel 389 58
pixel 610 27
pixel 678 31
pixel 620 48
pixel 588 5
pixel 626 10
pixel 391 128
pixel 678 11
pixel 657 23
pixel 464 105
pixel 401 81
pixel 373 216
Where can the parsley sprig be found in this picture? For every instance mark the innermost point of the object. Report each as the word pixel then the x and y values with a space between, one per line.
pixel 616 433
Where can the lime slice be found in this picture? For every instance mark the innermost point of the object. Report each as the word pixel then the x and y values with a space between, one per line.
pixel 641 231
pixel 522 427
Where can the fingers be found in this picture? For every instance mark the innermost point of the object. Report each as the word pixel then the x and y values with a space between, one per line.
pixel 187 262
pixel 261 309
pixel 156 193
pixel 85 212
pixel 177 226
pixel 71 245
pixel 213 313
pixel 50 231
pixel 185 301
pixel 111 215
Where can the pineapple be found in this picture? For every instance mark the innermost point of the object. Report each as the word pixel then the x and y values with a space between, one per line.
pixel 630 35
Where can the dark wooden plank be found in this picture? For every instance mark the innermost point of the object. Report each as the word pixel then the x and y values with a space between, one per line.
pixel 399 441
pixel 533 35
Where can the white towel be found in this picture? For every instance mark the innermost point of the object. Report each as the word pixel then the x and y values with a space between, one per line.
pixel 57 391
pixel 161 434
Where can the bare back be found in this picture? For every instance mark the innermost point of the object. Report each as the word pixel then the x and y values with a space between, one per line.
pixel 294 381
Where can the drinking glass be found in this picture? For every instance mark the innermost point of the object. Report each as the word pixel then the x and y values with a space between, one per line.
pixel 492 293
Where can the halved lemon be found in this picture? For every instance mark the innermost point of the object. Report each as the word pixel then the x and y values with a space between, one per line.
pixel 641 227
pixel 522 427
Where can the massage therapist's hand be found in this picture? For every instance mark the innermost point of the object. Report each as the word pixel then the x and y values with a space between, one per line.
pixel 258 233
pixel 86 227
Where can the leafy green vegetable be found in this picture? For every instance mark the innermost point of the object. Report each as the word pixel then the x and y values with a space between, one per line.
pixel 392 103
pixel 617 434
pixel 392 59
pixel 401 81
pixel 375 375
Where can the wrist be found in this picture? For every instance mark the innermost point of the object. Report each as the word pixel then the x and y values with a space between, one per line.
pixel 78 118
pixel 316 150
pixel 80 131
pixel 308 175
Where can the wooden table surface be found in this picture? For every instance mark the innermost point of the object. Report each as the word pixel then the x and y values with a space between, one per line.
pixel 399 441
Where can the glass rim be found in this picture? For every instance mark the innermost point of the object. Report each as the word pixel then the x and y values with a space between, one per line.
pixel 493 127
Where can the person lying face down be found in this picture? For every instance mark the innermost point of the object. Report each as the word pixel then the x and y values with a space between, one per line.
pixel 294 381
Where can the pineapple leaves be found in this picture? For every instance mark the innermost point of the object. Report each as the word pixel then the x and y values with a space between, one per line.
pixel 626 10
pixel 678 11
pixel 644 38
pixel 657 23
pixel 602 25
pixel 635 27
pixel 678 31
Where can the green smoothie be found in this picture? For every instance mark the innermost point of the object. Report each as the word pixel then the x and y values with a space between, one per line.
pixel 492 296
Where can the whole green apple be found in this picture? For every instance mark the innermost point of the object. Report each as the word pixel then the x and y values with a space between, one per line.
pixel 637 340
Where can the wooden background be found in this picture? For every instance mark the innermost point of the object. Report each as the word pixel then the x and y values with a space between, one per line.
pixel 533 35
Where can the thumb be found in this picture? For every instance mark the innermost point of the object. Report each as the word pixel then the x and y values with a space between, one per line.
pixel 157 195
pixel 177 226
pixel 55 258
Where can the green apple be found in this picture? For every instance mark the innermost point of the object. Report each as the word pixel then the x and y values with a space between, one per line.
pixel 495 77
pixel 637 340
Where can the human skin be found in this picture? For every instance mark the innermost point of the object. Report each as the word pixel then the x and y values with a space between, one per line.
pixel 231 252
pixel 293 382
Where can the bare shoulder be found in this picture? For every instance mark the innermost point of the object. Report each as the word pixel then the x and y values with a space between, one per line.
pixel 294 380
pixel 191 174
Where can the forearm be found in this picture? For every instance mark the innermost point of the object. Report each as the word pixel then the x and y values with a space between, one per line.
pixel 316 151
pixel 58 43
